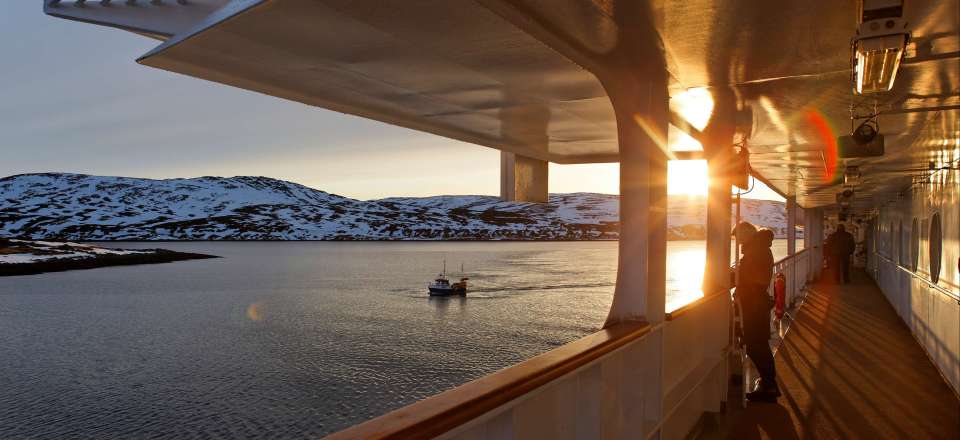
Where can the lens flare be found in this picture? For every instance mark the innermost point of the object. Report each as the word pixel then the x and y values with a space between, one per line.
pixel 659 138
pixel 253 312
pixel 828 139
pixel 694 105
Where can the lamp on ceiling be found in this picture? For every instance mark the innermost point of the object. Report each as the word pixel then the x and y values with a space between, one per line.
pixel 879 46
pixel 851 176
pixel 864 141
pixel 845 198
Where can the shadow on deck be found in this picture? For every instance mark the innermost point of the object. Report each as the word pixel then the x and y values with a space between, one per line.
pixel 849 368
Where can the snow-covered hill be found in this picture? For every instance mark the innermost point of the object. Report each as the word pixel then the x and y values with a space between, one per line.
pixel 82 207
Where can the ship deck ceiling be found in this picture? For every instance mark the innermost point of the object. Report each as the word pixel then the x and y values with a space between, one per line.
pixel 463 70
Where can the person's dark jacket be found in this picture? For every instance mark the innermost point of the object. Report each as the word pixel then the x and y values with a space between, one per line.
pixel 841 244
pixel 756 267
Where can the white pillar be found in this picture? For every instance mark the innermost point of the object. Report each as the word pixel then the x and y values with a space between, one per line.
pixel 716 277
pixel 791 269
pixel 523 179
pixel 642 117
pixel 813 240
pixel 717 139
pixel 791 225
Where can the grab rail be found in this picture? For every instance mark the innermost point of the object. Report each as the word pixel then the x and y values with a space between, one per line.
pixel 930 284
pixel 676 313
pixel 443 412
pixel 790 257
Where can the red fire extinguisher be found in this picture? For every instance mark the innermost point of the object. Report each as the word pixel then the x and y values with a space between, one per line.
pixel 780 294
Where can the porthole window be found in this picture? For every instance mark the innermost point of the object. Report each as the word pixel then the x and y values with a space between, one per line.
pixel 936 247
pixel 914 244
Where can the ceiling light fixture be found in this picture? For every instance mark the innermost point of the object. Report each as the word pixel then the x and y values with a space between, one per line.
pixel 879 46
pixel 845 198
pixel 851 176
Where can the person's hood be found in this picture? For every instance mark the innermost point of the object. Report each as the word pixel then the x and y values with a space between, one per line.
pixel 762 239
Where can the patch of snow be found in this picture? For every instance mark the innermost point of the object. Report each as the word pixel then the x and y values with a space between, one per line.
pixel 32 258
pixel 78 207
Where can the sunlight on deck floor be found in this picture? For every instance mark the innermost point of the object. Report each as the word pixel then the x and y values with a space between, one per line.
pixel 849 368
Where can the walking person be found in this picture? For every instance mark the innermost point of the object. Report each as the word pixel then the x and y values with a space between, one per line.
pixel 841 245
pixel 755 273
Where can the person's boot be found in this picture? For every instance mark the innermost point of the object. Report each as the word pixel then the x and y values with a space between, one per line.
pixel 768 391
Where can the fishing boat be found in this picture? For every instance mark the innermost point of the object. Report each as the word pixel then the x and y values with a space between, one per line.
pixel 443 287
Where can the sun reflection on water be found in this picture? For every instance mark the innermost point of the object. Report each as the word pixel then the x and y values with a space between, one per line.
pixel 685 276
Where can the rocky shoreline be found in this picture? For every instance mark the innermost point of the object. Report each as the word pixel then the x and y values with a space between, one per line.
pixel 26 257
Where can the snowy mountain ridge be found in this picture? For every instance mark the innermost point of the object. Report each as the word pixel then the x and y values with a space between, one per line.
pixel 82 207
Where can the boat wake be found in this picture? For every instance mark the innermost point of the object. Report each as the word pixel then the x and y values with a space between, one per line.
pixel 493 292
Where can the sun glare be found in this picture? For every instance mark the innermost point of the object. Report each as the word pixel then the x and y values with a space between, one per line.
pixel 685 270
pixel 687 177
pixel 695 105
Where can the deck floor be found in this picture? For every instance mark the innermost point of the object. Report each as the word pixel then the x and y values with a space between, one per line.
pixel 849 368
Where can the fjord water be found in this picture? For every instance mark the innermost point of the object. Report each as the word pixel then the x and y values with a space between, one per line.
pixel 288 340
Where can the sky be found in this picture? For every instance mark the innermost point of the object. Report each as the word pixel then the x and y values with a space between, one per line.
pixel 73 99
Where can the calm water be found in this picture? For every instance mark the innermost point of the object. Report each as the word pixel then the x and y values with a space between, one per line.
pixel 286 340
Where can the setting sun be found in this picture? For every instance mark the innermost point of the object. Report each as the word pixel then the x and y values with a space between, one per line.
pixel 688 177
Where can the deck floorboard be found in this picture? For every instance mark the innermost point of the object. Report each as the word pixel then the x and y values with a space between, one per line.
pixel 850 368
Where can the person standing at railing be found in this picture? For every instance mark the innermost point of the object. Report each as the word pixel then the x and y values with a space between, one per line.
pixel 755 273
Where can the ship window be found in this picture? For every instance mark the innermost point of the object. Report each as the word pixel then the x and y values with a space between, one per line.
pixel 914 244
pixel 935 247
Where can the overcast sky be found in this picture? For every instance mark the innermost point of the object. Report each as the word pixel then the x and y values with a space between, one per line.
pixel 73 99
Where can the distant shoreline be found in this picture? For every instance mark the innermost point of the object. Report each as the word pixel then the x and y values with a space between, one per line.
pixel 252 208
pixel 21 257
pixel 433 240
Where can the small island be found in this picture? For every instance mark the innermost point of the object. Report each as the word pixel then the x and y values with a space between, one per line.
pixel 28 257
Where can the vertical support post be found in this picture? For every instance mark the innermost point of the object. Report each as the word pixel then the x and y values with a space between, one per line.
pixel 716 278
pixel 641 275
pixel 717 139
pixel 791 225
pixel 792 248
pixel 813 240
pixel 523 179
pixel 641 108
pixel 508 190
pixel 634 75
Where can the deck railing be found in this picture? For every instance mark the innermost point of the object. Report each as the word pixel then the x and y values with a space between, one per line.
pixel 798 270
pixel 585 389
pixel 632 380
pixel 696 345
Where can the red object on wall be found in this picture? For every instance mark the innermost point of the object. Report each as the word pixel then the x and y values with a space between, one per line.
pixel 780 294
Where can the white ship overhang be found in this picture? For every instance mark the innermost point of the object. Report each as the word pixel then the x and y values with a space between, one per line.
pixel 521 76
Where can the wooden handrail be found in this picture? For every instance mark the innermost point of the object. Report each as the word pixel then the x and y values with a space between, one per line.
pixel 436 415
pixel 675 313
